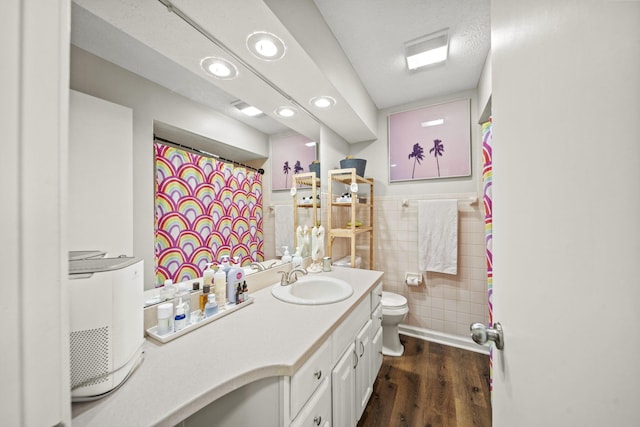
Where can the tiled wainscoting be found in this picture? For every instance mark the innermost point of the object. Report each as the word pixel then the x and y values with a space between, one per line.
pixel 443 302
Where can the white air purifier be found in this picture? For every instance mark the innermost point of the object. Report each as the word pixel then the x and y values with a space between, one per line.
pixel 106 323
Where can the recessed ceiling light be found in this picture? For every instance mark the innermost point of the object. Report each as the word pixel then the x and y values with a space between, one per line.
pixel 266 46
pixel 427 50
pixel 219 68
pixel 285 111
pixel 323 101
pixel 247 109
pixel 310 144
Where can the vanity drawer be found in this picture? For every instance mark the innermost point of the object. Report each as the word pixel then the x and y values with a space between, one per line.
pixel 310 376
pixel 376 296
pixel 318 411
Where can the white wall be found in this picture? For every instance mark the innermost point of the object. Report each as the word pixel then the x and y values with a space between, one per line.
pixel 377 154
pixel 100 175
pixel 96 77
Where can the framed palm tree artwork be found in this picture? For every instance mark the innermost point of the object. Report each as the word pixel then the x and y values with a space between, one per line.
pixel 430 142
pixel 290 154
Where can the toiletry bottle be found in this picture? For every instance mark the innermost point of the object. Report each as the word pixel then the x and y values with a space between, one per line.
pixel 210 307
pixel 185 295
pixel 297 259
pixel 207 275
pixel 165 314
pixel 180 319
pixel 220 287
pixel 238 293
pixel 245 291
pixel 235 276
pixel 168 291
pixel 203 297
pixel 286 257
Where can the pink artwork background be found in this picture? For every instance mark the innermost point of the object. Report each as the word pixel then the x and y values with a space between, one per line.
pixel 290 149
pixel 406 130
pixel 204 209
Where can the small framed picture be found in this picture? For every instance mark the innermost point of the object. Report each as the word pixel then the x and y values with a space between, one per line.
pixel 430 142
pixel 290 154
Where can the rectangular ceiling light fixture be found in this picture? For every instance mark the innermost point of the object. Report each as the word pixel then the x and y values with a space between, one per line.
pixel 429 123
pixel 427 50
pixel 247 109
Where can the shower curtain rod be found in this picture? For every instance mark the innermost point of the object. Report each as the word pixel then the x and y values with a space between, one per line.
pixel 204 153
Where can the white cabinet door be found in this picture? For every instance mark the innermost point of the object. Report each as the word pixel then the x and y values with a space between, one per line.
pixel 343 389
pixel 364 386
pixel 376 355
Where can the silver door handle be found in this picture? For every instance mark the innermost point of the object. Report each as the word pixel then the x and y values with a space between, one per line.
pixel 481 334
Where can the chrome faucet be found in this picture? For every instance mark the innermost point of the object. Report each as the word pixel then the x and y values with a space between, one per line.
pixel 258 266
pixel 291 277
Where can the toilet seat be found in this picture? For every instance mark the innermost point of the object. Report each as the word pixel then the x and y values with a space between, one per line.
pixel 393 301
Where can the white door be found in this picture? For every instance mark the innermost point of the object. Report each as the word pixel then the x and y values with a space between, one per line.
pixel 566 217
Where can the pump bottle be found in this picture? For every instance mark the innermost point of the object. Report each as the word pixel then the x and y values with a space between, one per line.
pixel 220 287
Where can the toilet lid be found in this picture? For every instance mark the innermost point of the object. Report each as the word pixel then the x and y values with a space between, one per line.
pixel 389 299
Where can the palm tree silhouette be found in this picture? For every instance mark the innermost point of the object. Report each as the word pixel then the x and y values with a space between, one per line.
pixel 437 150
pixel 297 168
pixel 418 155
pixel 285 170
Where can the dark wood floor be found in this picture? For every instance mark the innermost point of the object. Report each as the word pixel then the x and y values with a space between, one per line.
pixel 431 385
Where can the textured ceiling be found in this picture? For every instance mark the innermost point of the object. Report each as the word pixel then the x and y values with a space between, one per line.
pixel 352 50
pixel 372 34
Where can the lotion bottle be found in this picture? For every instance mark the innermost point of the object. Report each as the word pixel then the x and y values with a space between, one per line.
pixel 220 287
pixel 208 274
pixel 234 278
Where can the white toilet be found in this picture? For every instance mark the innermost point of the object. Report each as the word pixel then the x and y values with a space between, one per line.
pixel 394 311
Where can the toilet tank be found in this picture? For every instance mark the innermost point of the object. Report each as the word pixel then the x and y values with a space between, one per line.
pixel 106 323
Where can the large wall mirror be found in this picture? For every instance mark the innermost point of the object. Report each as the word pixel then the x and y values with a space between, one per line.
pixel 143 58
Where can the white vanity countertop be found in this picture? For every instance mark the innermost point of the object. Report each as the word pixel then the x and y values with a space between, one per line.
pixel 264 339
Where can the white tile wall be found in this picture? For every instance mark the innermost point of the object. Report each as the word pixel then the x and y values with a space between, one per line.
pixel 443 302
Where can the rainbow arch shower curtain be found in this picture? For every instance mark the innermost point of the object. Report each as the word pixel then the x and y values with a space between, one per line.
pixel 204 209
pixel 487 180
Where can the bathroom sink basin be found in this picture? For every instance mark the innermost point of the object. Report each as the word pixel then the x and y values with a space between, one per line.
pixel 313 290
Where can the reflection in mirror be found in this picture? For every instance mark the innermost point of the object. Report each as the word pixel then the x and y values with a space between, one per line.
pixel 146 57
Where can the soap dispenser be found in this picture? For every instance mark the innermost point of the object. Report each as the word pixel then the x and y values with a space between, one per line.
pixel 287 256
pixel 297 258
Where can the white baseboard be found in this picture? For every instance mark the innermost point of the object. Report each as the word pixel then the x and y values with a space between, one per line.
pixel 443 338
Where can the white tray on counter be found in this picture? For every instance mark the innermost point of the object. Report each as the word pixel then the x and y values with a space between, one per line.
pixel 227 309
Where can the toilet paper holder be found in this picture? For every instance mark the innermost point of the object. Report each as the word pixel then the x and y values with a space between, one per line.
pixel 413 279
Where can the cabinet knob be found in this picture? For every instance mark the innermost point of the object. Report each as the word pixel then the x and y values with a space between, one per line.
pixel 318 374
pixel 317 420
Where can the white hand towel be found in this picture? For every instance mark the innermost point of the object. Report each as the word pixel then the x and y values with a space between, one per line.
pixel 284 228
pixel 438 236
